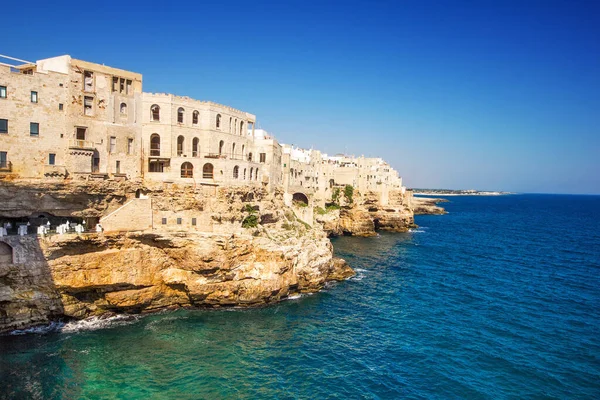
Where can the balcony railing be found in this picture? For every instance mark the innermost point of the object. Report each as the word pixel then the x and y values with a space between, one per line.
pixel 81 144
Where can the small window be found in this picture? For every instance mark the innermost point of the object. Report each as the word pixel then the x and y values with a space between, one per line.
pixel 155 111
pixel 118 167
pixel 195 115
pixel 178 221
pixel 88 105
pixel 60 106
pixel 218 121
pixel 88 81
pixel 128 88
pixel 164 221
pixel 3 159
pixel 236 172
pixel 3 126
pixel 2 92
pixel 113 144
pixel 34 129
pixel 115 84
pixel 129 146
pixel 193 221
pixel 121 85
pixel 51 159
pixel 80 133
pixel 34 97
pixel 263 157
pixel 123 109
pixel 180 113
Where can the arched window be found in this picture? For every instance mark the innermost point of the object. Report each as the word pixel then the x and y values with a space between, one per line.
pixel 234 127
pixel 221 144
pixel 155 111
pixel 155 145
pixel 180 141
pixel 251 172
pixel 249 156
pixel 243 151
pixel 244 173
pixel 180 113
pixel 208 171
pixel 236 172
pixel 256 174
pixel 195 147
pixel 242 128
pixel 233 150
pixel 123 108
pixel 230 125
pixel 218 121
pixel 187 170
pixel 195 115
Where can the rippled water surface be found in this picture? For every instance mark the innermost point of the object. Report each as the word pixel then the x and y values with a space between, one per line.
pixel 498 299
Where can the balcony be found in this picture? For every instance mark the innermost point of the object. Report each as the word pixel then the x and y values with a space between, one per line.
pixel 81 144
pixel 55 170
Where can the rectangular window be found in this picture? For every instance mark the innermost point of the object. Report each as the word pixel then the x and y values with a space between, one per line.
pixel 34 129
pixel 51 159
pixel 164 221
pixel 80 135
pixel 34 97
pixel 113 144
pixel 3 159
pixel 129 146
pixel 115 84
pixel 121 85
pixel 2 92
pixel 178 221
pixel 60 106
pixel 3 126
pixel 263 157
pixel 88 105
pixel 88 81
pixel 128 89
pixel 194 221
pixel 118 167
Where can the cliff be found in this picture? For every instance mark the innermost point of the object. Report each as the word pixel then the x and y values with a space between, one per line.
pixel 365 215
pixel 218 264
pixel 428 206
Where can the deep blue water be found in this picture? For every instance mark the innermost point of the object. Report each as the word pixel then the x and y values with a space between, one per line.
pixel 498 299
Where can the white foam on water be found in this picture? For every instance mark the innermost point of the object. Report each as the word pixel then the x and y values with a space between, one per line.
pixel 94 323
pixel 52 327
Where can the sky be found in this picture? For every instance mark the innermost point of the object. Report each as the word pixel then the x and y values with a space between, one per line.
pixel 488 95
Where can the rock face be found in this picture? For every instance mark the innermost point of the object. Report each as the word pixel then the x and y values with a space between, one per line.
pixel 76 276
pixel 428 206
pixel 365 216
pixel 81 276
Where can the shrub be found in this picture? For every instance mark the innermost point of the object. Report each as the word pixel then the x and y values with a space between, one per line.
pixel 335 195
pixel 319 210
pixel 331 207
pixel 348 192
pixel 251 221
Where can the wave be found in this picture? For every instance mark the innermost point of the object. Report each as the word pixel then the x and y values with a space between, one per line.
pixel 88 324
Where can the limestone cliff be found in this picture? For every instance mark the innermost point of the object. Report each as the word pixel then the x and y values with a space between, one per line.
pixel 218 264
pixel 366 215
pixel 428 206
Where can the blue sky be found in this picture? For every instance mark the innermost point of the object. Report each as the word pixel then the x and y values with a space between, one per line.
pixel 466 94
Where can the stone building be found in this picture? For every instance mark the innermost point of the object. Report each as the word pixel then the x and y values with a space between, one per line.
pixel 66 118
pixel 62 117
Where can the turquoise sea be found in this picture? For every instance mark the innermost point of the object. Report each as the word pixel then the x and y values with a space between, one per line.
pixel 499 299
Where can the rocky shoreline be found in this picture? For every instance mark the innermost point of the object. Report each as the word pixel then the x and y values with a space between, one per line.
pixel 428 206
pixel 224 264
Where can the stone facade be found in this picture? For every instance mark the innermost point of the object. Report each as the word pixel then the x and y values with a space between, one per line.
pixel 67 118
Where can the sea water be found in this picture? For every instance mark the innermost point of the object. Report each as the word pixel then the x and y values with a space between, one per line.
pixel 498 299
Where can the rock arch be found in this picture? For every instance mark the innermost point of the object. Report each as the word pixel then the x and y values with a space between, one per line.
pixel 300 198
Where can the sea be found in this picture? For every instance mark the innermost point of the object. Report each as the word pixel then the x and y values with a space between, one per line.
pixel 498 299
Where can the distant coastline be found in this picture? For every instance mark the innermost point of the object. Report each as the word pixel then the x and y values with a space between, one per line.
pixel 452 192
